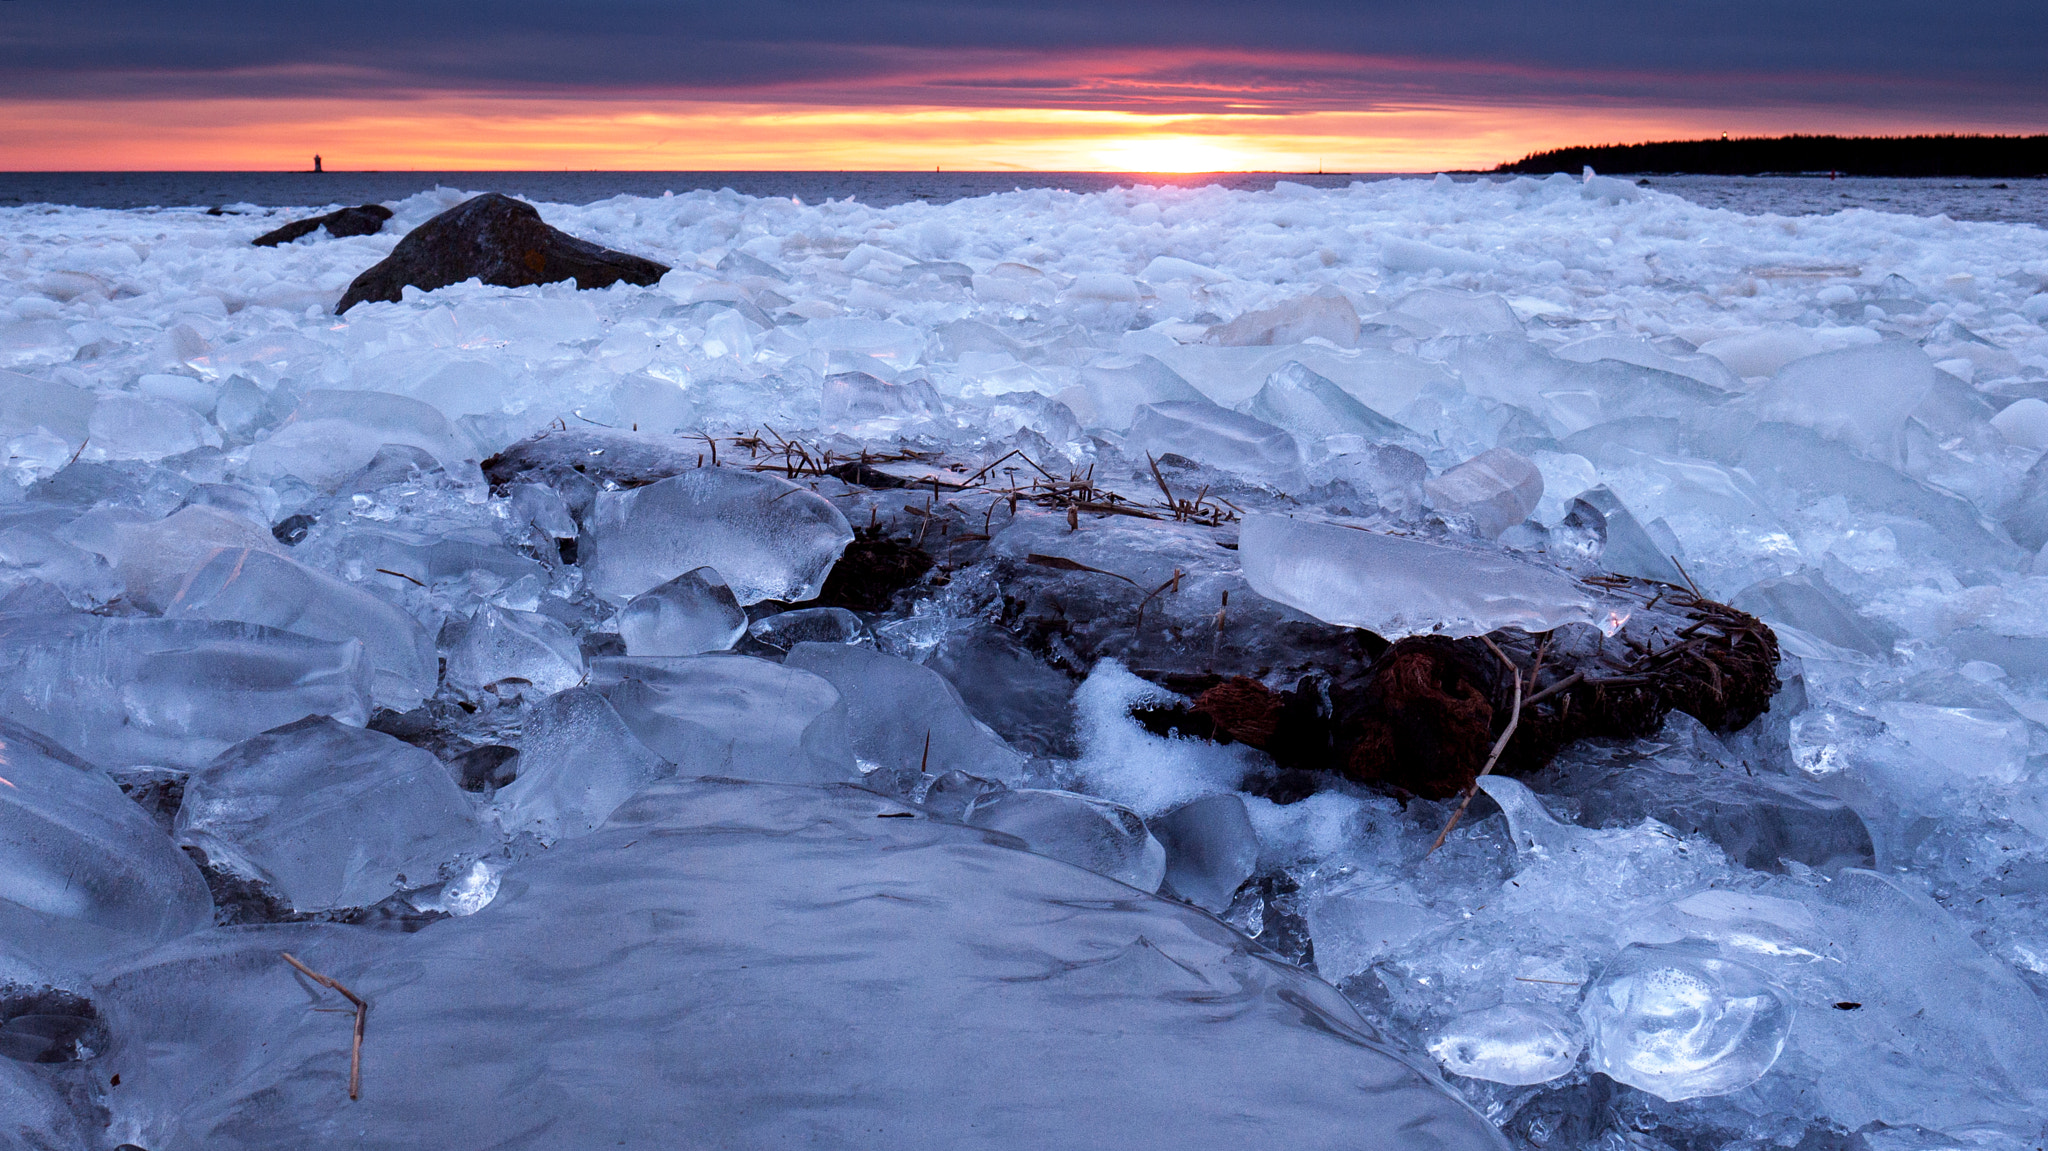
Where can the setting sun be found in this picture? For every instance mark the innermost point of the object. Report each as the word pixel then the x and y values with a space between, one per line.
pixel 1171 154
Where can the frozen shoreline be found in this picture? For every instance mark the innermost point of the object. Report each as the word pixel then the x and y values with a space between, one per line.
pixel 1836 422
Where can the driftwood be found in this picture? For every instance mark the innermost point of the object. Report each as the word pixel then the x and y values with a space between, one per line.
pixel 1422 717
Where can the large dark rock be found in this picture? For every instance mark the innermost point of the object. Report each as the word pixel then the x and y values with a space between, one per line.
pixel 498 240
pixel 364 220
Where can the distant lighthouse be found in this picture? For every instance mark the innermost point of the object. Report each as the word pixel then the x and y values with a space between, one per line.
pixel 316 163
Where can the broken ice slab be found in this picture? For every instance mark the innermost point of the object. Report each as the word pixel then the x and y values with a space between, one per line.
pixel 1681 1022
pixel 1513 1043
pixel 1398 585
pixel 498 644
pixel 1495 490
pixel 713 935
pixel 906 718
pixel 28 553
pixel 860 402
pixel 261 588
pixel 1211 849
pixel 1106 838
pixel 768 537
pixel 1216 436
pixel 691 614
pixel 1628 549
pixel 77 853
pixel 332 435
pixel 1112 387
pixel 1314 408
pixel 171 692
pixel 784 630
pixel 732 715
pixel 328 815
pixel 1807 601
pixel 577 762
pixel 154 558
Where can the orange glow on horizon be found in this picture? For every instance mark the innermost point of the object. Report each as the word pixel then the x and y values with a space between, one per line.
pixel 451 133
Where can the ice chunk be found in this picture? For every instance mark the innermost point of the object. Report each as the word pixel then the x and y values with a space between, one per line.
pixel 500 644
pixel 858 402
pixel 1315 408
pixel 332 435
pixel 1329 316
pixel 1859 396
pixel 1116 385
pixel 2024 422
pixel 727 930
pixel 74 851
pixel 1103 837
pixel 259 587
pixel 29 554
pixel 1763 351
pixel 577 763
pixel 1354 924
pixel 1682 1023
pixel 1398 586
pixel 1219 437
pixel 1807 601
pixel 328 815
pixel 1514 1043
pixel 1211 849
pixel 784 630
pixel 768 537
pixel 1393 475
pixel 173 692
pixel 905 717
pixel 33 410
pixel 154 559
pixel 1460 313
pixel 1628 549
pixel 35 1114
pixel 130 427
pixel 689 615
pixel 1495 490
pixel 732 715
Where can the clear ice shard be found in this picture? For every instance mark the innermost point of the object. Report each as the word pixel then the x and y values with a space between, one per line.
pixel 332 435
pixel 784 630
pixel 1513 1043
pixel 1495 489
pixel 1218 437
pixel 172 692
pixel 1315 408
pixel 691 614
pixel 1211 849
pixel 768 537
pixel 1397 585
pixel 577 763
pixel 1628 548
pixel 78 859
pixel 1682 1023
pixel 797 968
pixel 276 591
pixel 328 815
pixel 154 559
pixel 500 644
pixel 1104 837
pixel 906 718
pixel 732 715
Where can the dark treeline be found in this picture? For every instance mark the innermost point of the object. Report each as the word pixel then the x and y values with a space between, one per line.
pixel 1988 156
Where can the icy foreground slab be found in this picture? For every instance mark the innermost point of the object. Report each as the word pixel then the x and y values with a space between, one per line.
pixel 768 537
pixel 73 848
pixel 917 984
pixel 1398 586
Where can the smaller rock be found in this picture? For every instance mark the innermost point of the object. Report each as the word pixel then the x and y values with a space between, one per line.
pixel 363 220
pixel 499 240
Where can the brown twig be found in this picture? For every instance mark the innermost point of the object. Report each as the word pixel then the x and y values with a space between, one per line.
pixel 355 1055
pixel 1499 745
pixel 400 575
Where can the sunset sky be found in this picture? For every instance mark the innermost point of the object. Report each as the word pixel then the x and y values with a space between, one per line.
pixel 1369 85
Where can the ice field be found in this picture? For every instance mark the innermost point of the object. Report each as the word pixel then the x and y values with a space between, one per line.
pixel 624 844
